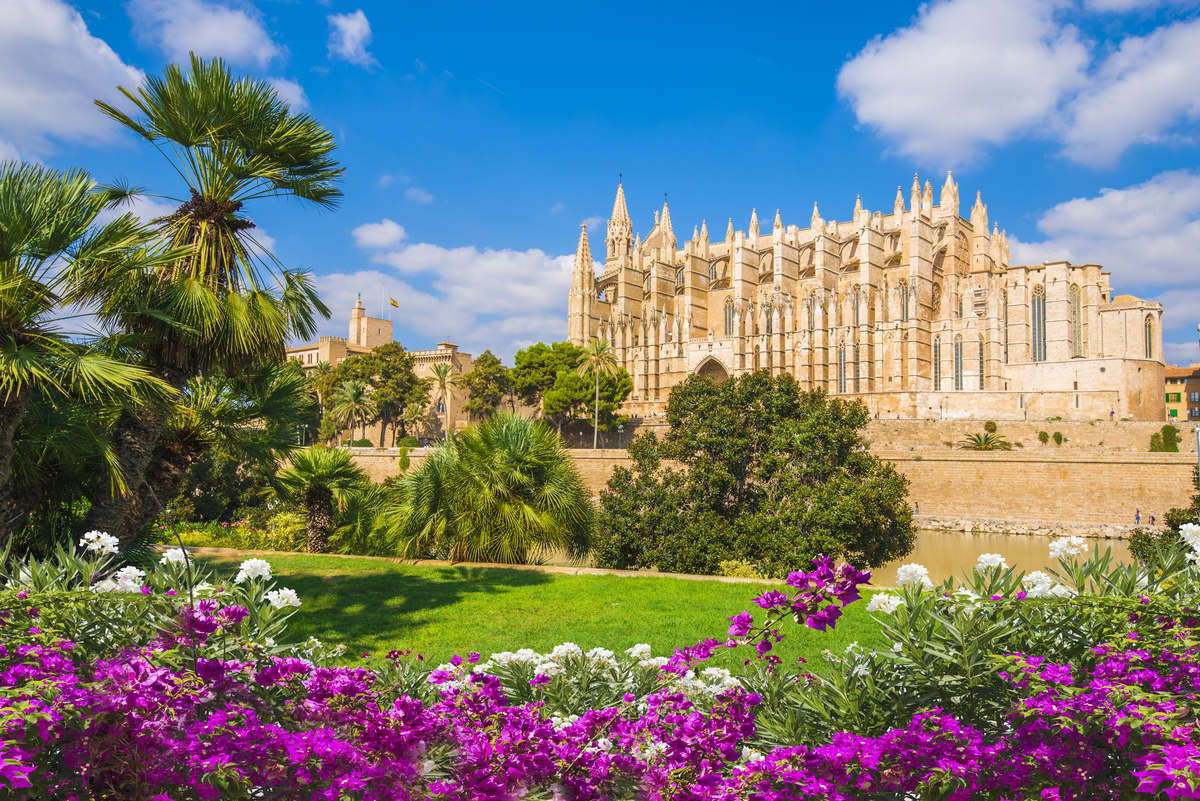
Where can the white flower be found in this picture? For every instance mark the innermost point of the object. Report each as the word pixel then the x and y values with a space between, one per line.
pixel 897 647
pixel 1066 546
pixel 253 568
pixel 750 755
pixel 654 661
pixel 604 744
pixel 913 574
pixel 603 654
pixel 1190 532
pixel 859 670
pixel 548 668
pixel 283 597
pixel 987 560
pixel 884 602
pixel 640 651
pixel 428 767
pixel 129 579
pixel 565 650
pixel 99 541
pixel 108 585
pixel 175 556
pixel 270 642
pixel 1041 585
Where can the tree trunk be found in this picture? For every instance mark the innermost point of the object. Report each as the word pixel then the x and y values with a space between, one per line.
pixel 318 501
pixel 383 424
pixel 133 441
pixel 596 424
pixel 168 467
pixel 11 412
pixel 17 502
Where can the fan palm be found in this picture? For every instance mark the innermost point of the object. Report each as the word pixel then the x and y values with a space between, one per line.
pixel 597 359
pixel 219 305
pixel 353 405
pixel 986 442
pixel 317 478
pixel 445 382
pixel 414 417
pixel 504 491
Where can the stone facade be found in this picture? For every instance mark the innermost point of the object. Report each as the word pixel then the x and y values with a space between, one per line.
pixel 1183 394
pixel 918 312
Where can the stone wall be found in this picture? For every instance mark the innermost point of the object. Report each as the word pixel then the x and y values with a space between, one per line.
pixel 1064 486
pixel 1101 436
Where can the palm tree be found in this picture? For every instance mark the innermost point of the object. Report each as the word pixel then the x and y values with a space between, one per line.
pixel 414 416
pixel 218 304
pixel 985 442
pixel 445 382
pixel 597 359
pixel 353 405
pixel 320 370
pixel 317 477
pixel 503 491
pixel 48 218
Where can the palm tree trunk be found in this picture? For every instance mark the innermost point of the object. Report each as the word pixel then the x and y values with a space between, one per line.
pixel 318 502
pixel 596 424
pixel 168 467
pixel 16 502
pixel 11 412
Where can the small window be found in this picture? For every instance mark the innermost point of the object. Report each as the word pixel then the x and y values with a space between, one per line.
pixel 937 363
pixel 1039 323
pixel 1172 413
pixel 1076 401
pixel 1149 335
pixel 1194 397
pixel 1020 401
pixel 958 363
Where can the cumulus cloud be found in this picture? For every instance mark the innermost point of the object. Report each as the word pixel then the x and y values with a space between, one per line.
pixel 1148 235
pixel 179 27
pixel 376 236
pixel 386 180
pixel 964 74
pixel 418 195
pixel 349 35
pixel 291 92
pixel 51 69
pixel 969 74
pixel 501 300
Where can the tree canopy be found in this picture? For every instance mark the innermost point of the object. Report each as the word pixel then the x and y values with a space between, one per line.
pixel 488 383
pixel 389 371
pixel 573 397
pixel 537 368
pixel 754 469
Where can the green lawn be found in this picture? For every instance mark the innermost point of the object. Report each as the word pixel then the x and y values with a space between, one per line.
pixel 376 606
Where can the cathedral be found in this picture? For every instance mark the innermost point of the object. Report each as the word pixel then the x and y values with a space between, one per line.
pixel 917 312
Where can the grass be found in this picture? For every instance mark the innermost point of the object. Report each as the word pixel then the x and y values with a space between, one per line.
pixel 376 606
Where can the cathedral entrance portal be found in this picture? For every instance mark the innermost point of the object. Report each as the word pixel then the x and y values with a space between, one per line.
pixel 713 369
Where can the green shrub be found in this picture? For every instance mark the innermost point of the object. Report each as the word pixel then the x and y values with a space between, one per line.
pixel 1058 438
pixel 1043 437
pixel 738 568
pixel 408 442
pixel 1156 442
pixel 362 443
pixel 1170 439
pixel 990 427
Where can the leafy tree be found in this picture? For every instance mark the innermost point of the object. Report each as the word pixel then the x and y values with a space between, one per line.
pixel 317 478
pixel 488 383
pixel 537 368
pixel 503 491
pixel 212 307
pixel 414 418
pixel 353 405
pixel 389 372
pixel 572 396
pixel 445 382
pixel 758 470
pixel 985 442
pixel 599 361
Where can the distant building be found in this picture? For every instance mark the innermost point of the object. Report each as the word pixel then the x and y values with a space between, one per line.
pixel 918 312
pixel 366 334
pixel 1183 393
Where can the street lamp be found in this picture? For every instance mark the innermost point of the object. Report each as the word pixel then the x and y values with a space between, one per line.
pixel 621 432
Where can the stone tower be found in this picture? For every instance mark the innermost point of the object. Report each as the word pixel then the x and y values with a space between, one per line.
pixel 368 332
pixel 583 286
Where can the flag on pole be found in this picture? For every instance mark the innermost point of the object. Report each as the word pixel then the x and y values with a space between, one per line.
pixel 394 303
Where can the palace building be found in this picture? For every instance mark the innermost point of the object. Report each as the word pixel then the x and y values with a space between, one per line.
pixel 918 312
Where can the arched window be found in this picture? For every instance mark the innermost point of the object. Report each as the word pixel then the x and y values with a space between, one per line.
pixel 712 274
pixel 1004 312
pixel 937 362
pixel 856 299
pixel 841 368
pixel 857 380
pixel 812 314
pixel 981 362
pixel 728 317
pixel 958 363
pixel 1039 323
pixel 770 319
pixel 1148 330
pixel 602 296
pixel 441 407
pixel 904 295
pixel 1075 317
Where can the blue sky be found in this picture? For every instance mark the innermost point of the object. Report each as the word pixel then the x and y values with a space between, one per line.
pixel 477 138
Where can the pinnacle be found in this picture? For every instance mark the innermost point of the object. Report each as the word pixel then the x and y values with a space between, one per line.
pixel 620 212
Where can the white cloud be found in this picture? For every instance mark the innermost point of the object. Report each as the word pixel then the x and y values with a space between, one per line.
pixel 1125 6
pixel 143 207
pixel 557 207
pixel 1148 235
pixel 291 92
pixel 1148 85
pixel 964 74
pixel 380 235
pixel 418 195
pixel 1181 354
pixel 594 224
pixel 349 35
pixel 51 69
pixel 178 27
pixel 482 299
pixel 386 180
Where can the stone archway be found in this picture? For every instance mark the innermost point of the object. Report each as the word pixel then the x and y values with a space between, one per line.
pixel 713 369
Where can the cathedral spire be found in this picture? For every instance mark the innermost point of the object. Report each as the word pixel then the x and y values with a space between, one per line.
pixel 816 222
pixel 620 228
pixel 949 199
pixel 857 208
pixel 753 223
pixel 778 227
pixel 914 199
pixel 729 231
pixel 899 207
pixel 696 233
pixel 927 198
pixel 979 220
pixel 583 252
pixel 620 212
pixel 704 231
pixel 665 222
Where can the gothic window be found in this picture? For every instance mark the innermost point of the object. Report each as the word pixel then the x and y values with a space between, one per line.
pixel 1004 310
pixel 935 300
pixel 856 299
pixel 712 274
pixel 728 317
pixel 841 368
pixel 1039 323
pixel 770 320
pixel 981 361
pixel 958 363
pixel 1076 322
pixel 1148 330
pixel 937 363
pixel 904 295
pixel 646 283
pixel 602 296
pixel 441 407
pixel 857 384
pixel 679 276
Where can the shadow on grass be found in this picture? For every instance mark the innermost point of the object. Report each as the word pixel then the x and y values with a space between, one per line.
pixel 388 603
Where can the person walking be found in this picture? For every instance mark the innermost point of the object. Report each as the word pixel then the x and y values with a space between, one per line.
pixel 1137 517
pixel 1152 517
pixel 916 510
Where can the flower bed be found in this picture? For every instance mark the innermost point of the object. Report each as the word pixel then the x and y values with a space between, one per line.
pixel 1076 683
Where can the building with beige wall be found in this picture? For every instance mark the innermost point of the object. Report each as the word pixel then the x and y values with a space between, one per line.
pixel 918 312
pixel 1183 393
